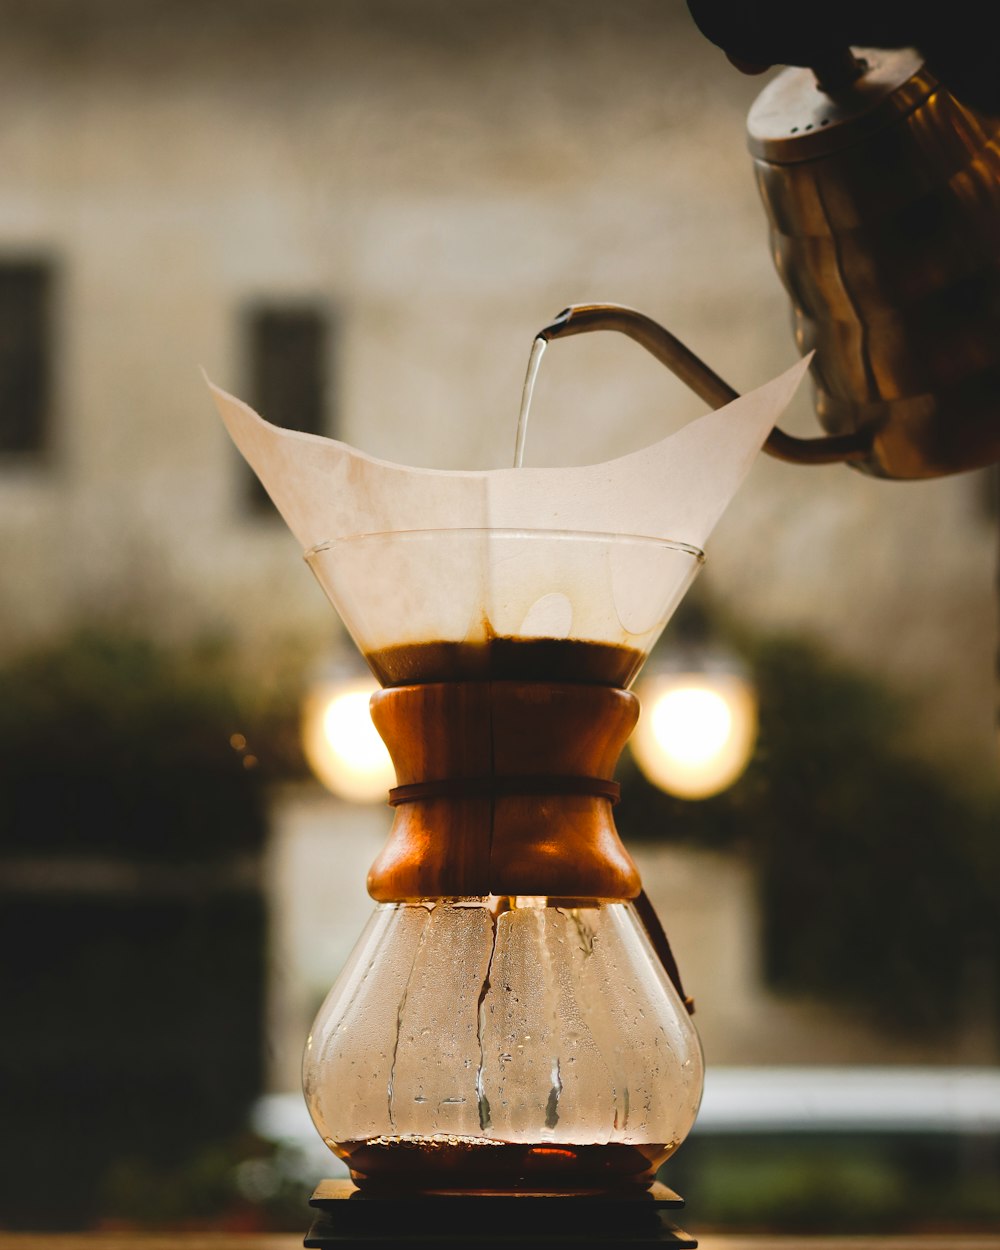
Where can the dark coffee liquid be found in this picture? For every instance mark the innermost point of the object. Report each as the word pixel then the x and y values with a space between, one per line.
pixel 499 1167
pixel 507 659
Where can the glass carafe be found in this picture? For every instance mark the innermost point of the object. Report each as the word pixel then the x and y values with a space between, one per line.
pixel 505 1022
pixel 503 1043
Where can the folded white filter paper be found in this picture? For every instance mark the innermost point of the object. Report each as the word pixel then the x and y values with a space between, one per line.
pixel 531 552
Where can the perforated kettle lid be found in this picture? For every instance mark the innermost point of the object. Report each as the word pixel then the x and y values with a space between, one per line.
pixel 792 120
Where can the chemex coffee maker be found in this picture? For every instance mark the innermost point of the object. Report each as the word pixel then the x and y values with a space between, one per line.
pixel 508 1056
pixel 511 1027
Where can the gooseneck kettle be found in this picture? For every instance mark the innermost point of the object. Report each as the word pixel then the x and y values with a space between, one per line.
pixel 882 194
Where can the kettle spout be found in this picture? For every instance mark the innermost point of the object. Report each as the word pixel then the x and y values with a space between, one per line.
pixel 704 381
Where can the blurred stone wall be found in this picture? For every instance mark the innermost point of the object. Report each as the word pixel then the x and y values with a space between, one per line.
pixel 446 176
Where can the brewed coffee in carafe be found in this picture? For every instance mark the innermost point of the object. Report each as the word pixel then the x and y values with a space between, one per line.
pixel 507 1020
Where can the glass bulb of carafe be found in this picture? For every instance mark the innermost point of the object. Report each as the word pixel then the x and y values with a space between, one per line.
pixel 503 1043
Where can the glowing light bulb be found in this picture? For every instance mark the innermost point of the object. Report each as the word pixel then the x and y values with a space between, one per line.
pixel 696 731
pixel 341 743
pixel 691 723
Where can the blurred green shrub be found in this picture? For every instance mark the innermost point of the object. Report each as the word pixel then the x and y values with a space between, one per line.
pixel 826 1183
pixel 879 875
pixel 115 743
pixel 133 789
pixel 239 1184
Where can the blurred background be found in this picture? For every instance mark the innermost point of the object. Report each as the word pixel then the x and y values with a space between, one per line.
pixel 356 214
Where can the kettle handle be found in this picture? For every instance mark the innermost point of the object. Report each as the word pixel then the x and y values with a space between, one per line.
pixel 705 382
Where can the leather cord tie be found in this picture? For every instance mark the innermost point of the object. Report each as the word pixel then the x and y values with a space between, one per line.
pixel 504 787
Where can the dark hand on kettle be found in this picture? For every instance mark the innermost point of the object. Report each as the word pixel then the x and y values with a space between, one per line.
pixel 957 39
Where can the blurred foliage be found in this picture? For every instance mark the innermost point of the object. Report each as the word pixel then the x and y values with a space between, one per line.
pixel 240 1184
pixel 115 743
pixel 878 875
pixel 133 792
pixel 826 1183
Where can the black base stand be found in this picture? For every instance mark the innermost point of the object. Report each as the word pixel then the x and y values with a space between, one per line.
pixel 349 1220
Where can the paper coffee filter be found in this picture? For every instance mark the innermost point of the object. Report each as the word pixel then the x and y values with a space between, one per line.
pixel 600 552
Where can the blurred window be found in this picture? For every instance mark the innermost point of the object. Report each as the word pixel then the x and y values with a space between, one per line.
pixel 25 356
pixel 291 357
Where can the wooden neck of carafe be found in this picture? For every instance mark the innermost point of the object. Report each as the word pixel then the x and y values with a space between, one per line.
pixel 504 788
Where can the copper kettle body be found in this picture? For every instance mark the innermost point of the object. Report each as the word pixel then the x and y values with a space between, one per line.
pixel 883 197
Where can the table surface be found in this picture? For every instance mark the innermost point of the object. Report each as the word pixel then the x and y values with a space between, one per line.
pixel 293 1241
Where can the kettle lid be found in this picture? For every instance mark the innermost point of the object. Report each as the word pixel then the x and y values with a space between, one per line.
pixel 793 120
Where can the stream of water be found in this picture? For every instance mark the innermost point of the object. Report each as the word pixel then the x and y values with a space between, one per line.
pixel 534 361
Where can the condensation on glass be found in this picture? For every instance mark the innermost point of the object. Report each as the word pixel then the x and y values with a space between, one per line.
pixel 502 1042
